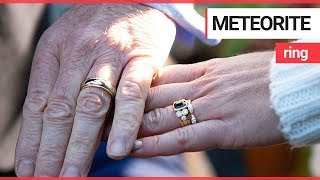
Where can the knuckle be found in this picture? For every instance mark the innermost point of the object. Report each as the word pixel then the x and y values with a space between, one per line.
pixel 83 41
pixel 128 122
pixel 47 36
pixel 91 104
pixel 156 144
pixel 183 137
pixel 36 102
pixel 82 148
pixel 207 84
pixel 50 39
pixel 50 156
pixel 131 91
pixel 107 61
pixel 152 122
pixel 193 92
pixel 58 109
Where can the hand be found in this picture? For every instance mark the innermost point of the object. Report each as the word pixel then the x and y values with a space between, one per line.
pixel 231 103
pixel 62 125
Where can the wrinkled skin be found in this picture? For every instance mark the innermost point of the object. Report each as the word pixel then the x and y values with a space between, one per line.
pixel 62 126
pixel 231 101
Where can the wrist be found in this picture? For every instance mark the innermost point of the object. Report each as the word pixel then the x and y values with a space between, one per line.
pixel 295 98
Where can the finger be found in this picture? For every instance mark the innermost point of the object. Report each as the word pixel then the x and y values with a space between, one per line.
pixel 178 73
pixel 58 120
pixel 196 137
pixel 179 82
pixel 92 107
pixel 129 106
pixel 43 76
pixel 165 95
pixel 161 120
pixel 59 113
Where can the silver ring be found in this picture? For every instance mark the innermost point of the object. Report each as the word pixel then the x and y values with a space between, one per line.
pixel 99 83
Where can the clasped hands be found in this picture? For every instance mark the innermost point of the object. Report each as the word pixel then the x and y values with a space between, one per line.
pixel 126 45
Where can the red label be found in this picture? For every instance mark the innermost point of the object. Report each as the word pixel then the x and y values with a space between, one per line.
pixel 164 178
pixel 298 52
pixel 167 1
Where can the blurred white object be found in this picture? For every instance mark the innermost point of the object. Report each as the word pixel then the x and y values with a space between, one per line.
pixel 315 160
pixel 185 15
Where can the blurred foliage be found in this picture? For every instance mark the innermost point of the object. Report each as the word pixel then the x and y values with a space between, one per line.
pixel 304 169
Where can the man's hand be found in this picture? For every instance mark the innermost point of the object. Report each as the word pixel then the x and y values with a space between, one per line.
pixel 62 125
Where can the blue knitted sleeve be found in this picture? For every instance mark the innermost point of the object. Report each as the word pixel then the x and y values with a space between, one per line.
pixel 295 96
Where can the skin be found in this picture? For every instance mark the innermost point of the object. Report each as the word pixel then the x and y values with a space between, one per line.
pixel 231 103
pixel 62 126
pixel 125 45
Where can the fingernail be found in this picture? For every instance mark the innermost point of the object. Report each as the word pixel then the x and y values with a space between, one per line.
pixel 137 145
pixel 117 148
pixel 71 172
pixel 25 168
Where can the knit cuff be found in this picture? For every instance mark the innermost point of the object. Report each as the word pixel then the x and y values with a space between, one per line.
pixel 295 96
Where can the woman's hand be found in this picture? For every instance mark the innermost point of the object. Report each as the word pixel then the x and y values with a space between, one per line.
pixel 62 125
pixel 231 103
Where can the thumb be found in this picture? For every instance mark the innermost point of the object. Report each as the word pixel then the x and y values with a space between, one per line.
pixel 130 100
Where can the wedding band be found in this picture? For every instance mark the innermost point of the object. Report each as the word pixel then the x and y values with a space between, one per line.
pixel 99 83
pixel 184 111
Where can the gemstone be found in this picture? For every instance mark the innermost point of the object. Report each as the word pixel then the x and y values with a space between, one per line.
pixel 179 113
pixel 179 104
pixel 183 118
pixel 193 119
pixel 190 108
pixel 185 112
